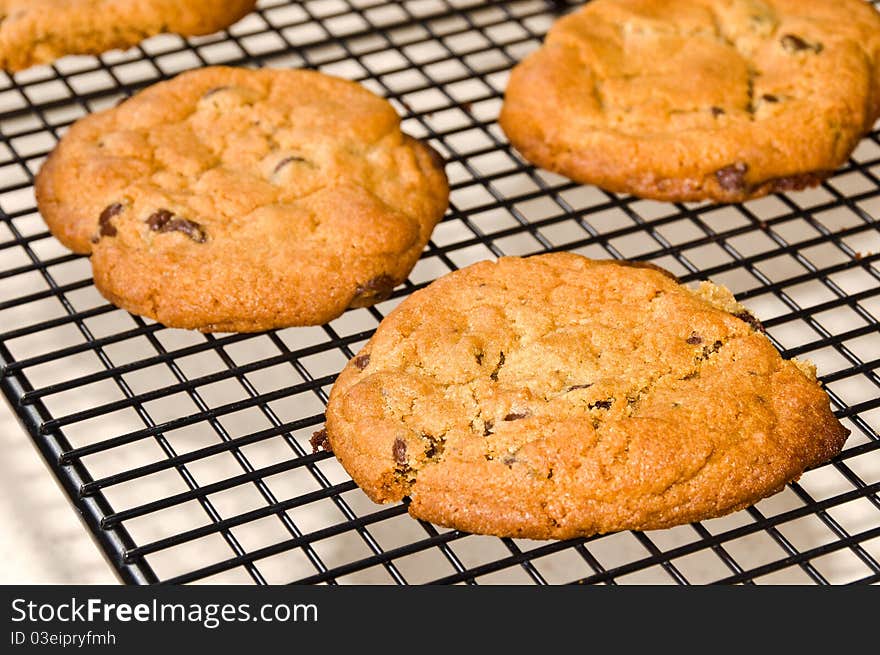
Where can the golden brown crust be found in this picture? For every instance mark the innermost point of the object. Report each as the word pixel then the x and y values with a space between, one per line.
pixel 699 99
pixel 555 396
pixel 237 200
pixel 40 31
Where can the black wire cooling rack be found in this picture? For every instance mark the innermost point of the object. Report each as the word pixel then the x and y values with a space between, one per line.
pixel 188 455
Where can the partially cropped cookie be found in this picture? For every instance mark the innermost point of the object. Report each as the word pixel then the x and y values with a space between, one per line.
pixel 238 200
pixel 557 396
pixel 40 31
pixel 691 100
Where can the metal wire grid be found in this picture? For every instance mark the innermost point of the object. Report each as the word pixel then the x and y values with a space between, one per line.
pixel 188 454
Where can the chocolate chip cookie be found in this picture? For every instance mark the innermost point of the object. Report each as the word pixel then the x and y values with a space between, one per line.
pixel 692 100
pixel 557 396
pixel 237 200
pixel 40 31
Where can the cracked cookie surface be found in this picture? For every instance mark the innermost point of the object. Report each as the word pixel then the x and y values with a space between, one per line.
pixel 237 200
pixel 40 31
pixel 692 100
pixel 557 396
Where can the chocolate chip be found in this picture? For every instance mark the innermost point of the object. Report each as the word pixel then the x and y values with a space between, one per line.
pixel 711 350
pixel 601 404
pixel 163 221
pixel 695 339
pixel 575 387
pixel 717 111
pixel 399 451
pixel 794 43
pixel 373 291
pixel 158 220
pixel 320 441
pixel 797 182
pixel 106 228
pixel 190 228
pixel 516 416
pixel 494 374
pixel 435 446
pixel 733 178
pixel 749 318
pixel 487 427
pixel 362 361
pixel 769 97
pixel 284 162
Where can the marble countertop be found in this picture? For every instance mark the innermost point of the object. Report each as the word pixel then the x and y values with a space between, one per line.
pixel 41 538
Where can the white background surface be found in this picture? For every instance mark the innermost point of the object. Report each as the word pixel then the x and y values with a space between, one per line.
pixel 42 540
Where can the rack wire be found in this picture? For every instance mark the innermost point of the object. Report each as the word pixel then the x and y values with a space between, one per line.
pixel 188 455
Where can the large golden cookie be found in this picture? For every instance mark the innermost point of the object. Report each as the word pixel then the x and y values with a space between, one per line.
pixel 40 31
pixel 556 396
pixel 699 99
pixel 236 200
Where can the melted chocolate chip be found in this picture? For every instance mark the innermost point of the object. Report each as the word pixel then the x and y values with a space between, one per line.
pixel 733 178
pixel 284 162
pixel 794 43
pixel 516 416
pixel 362 361
pixel 769 97
pixel 749 318
pixel 398 450
pixel 601 404
pixel 494 374
pixel 163 221
pixel 717 111
pixel 797 182
pixel 695 339
pixel 320 441
pixel 711 350
pixel 159 219
pixel 487 428
pixel 190 228
pixel 373 291
pixel 435 446
pixel 106 228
